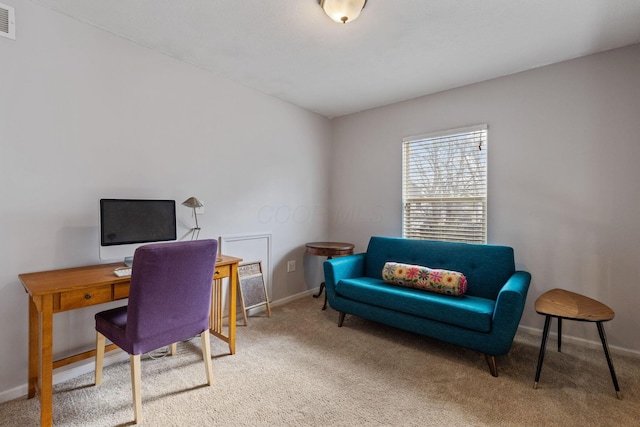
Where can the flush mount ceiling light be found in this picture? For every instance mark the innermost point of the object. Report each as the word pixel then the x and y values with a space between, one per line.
pixel 342 10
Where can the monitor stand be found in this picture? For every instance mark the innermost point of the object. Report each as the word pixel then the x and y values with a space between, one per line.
pixel 128 261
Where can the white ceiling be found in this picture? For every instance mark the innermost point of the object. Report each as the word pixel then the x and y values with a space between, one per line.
pixel 396 50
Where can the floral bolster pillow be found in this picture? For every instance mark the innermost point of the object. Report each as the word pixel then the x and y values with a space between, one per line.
pixel 427 279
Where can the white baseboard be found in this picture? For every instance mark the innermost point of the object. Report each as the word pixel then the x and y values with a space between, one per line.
pixel 288 299
pixel 66 373
pixel 583 342
pixel 262 309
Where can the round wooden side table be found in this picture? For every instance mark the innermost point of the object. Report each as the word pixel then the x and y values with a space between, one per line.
pixel 330 250
pixel 563 304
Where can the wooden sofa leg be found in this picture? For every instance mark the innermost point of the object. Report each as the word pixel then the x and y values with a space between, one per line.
pixel 493 367
pixel 341 319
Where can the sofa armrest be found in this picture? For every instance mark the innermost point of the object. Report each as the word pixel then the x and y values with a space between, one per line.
pixel 340 268
pixel 509 307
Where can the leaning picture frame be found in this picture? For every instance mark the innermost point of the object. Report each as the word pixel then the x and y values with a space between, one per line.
pixel 253 291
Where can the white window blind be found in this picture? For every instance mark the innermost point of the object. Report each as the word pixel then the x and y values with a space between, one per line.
pixel 444 185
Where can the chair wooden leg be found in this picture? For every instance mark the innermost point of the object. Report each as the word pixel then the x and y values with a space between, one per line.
pixel 206 355
pixel 493 366
pixel 100 341
pixel 135 387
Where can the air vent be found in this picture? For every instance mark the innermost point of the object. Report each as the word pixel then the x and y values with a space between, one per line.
pixel 7 21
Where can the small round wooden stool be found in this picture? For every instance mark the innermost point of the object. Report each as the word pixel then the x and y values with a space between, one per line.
pixel 328 249
pixel 563 304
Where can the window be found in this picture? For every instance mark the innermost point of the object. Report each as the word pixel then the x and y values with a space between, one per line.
pixel 444 185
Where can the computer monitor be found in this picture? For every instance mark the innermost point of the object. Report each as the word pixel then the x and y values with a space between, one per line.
pixel 126 224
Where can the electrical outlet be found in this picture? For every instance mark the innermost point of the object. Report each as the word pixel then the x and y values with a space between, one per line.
pixel 291 266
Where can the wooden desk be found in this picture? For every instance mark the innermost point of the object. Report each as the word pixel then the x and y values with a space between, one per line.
pixel 56 291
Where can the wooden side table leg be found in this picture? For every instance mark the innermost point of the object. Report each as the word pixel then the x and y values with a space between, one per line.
pixel 559 334
pixel 605 346
pixel 322 286
pixel 545 335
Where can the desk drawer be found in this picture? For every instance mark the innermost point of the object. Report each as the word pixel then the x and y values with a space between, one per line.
pixel 222 271
pixel 85 297
pixel 120 291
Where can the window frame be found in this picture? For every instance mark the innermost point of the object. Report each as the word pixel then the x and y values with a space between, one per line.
pixel 462 213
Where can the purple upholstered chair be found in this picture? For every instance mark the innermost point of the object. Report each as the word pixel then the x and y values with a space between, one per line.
pixel 169 301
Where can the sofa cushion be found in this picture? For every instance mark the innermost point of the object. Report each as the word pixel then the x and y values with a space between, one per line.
pixel 425 278
pixel 466 311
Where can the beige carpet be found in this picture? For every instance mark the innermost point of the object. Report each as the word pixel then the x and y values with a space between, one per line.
pixel 298 368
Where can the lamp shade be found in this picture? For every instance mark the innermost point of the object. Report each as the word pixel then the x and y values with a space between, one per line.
pixel 192 202
pixel 343 10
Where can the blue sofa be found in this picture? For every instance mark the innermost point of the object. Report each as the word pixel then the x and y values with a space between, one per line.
pixel 484 319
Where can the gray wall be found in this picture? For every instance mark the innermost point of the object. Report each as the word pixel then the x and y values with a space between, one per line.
pixel 564 147
pixel 85 115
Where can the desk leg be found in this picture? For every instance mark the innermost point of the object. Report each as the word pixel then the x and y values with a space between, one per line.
pixel 217 309
pixel 233 282
pixel 46 362
pixel 34 348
